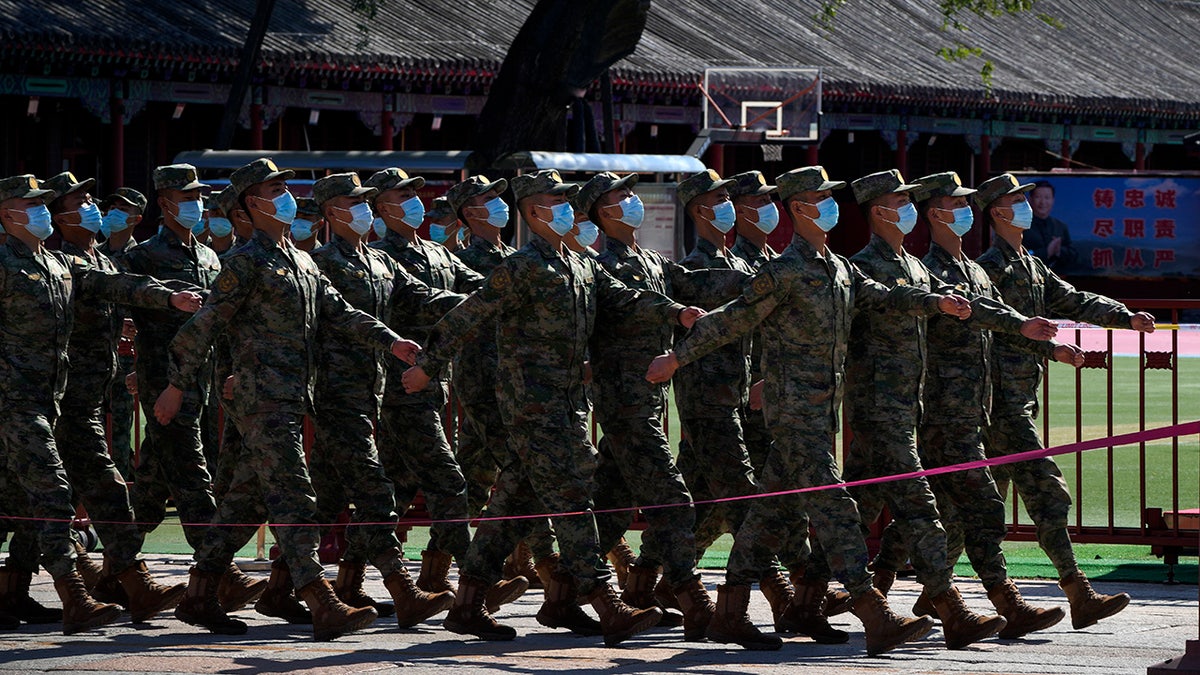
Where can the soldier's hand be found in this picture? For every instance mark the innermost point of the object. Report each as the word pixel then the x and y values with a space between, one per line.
pixel 688 316
pixel 662 368
pixel 167 405
pixel 1069 354
pixel 954 305
pixel 414 379
pixel 1142 322
pixel 131 384
pixel 186 301
pixel 227 388
pixel 129 329
pixel 756 390
pixel 1039 329
pixel 406 350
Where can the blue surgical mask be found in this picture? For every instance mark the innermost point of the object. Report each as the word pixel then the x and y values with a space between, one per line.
pixel 768 218
pixel 827 213
pixel 562 219
pixel 189 213
pixel 588 233
pixel 301 229
pixel 414 212
pixel 198 228
pixel 906 218
pixel 438 233
pixel 361 218
pixel 380 227
pixel 285 208
pixel 724 216
pixel 497 212
pixel 462 236
pixel 633 211
pixel 2 230
pixel 1022 215
pixel 38 221
pixel 220 227
pixel 115 220
pixel 963 219
pixel 90 218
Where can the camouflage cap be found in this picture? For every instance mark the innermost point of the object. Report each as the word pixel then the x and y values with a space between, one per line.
pixel 993 188
pixel 341 185
pixel 749 184
pixel 127 195
pixel 544 182
pixel 307 206
pixel 258 171
pixel 474 186
pixel 806 179
pixel 210 202
pixel 440 210
pixel 391 179
pixel 65 183
pixel 24 186
pixel 879 184
pixel 176 177
pixel 597 186
pixel 944 184
pixel 697 184
pixel 227 199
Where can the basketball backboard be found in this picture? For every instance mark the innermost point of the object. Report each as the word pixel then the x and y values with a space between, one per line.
pixel 778 105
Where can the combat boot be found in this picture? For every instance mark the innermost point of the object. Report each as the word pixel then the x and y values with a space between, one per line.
pixel 1023 618
pixel 236 589
pixel 961 626
pixel 279 599
pixel 779 594
pixel 665 595
pixel 435 572
pixel 349 588
pixel 836 602
pixel 331 618
pixel 1088 606
pixel 618 620
pixel 883 628
pixel 469 615
pixel 731 621
pixel 622 558
pixel 88 570
pixel 806 615
pixel 923 607
pixel 639 593
pixel 80 611
pixel 413 605
pixel 200 606
pixel 16 601
pixel 505 591
pixel 560 609
pixel 698 609
pixel 519 563
pixel 882 580
pixel 146 596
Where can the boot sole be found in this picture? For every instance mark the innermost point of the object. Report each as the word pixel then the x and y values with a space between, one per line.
pixel 985 631
pixel 1104 614
pixel 492 636
pixel 916 630
pixel 231 627
pixel 1050 618
pixel 767 646
pixel 295 620
pixel 356 624
pixel 431 611
pixel 104 618
pixel 168 601
pixel 648 621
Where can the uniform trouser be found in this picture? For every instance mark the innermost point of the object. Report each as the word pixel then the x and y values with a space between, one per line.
pixel 346 470
pixel 483 447
pixel 890 448
pixel 636 469
pixel 171 464
pixel 715 465
pixel 416 456
pixel 79 434
pixel 228 457
pixel 270 483
pixel 210 429
pixel 34 466
pixel 972 510
pixel 552 473
pixel 799 461
pixel 1040 484
pixel 120 406
pixel 23 550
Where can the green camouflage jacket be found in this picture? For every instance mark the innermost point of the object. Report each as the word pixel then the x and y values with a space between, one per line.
pixel 755 258
pixel 475 367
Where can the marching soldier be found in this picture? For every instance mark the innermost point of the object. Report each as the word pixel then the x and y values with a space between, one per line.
pixel 444 226
pixel 306 228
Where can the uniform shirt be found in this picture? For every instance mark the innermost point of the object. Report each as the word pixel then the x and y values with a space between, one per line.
pixel 1028 286
pixel 546 305
pixel 117 255
pixel 475 366
pixel 885 376
pixel 352 377
pixel 271 300
pixel 755 257
pixel 482 256
pixel 802 303
pixel 721 380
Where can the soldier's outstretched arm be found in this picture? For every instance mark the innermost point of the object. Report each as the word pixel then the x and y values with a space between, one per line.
pixel 1065 300
pixel 618 302
pixel 341 315
pixel 417 303
pixel 707 288
pixel 501 290
pixel 869 293
pixel 760 296
pixel 136 290
pixel 466 280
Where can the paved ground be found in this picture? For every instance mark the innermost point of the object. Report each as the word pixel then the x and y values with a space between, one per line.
pixel 1154 628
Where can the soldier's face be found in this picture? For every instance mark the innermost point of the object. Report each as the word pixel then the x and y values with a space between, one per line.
pixel 941 209
pixel 1001 208
pixel 12 211
pixel 702 205
pixel 337 209
pixel 803 205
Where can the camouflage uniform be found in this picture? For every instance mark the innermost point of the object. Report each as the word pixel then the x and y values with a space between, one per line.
pixel 412 442
pixel 547 305
pixel 801 303
pixel 119 402
pixel 1029 286
pixel 271 300
pixel 171 461
pixel 344 463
